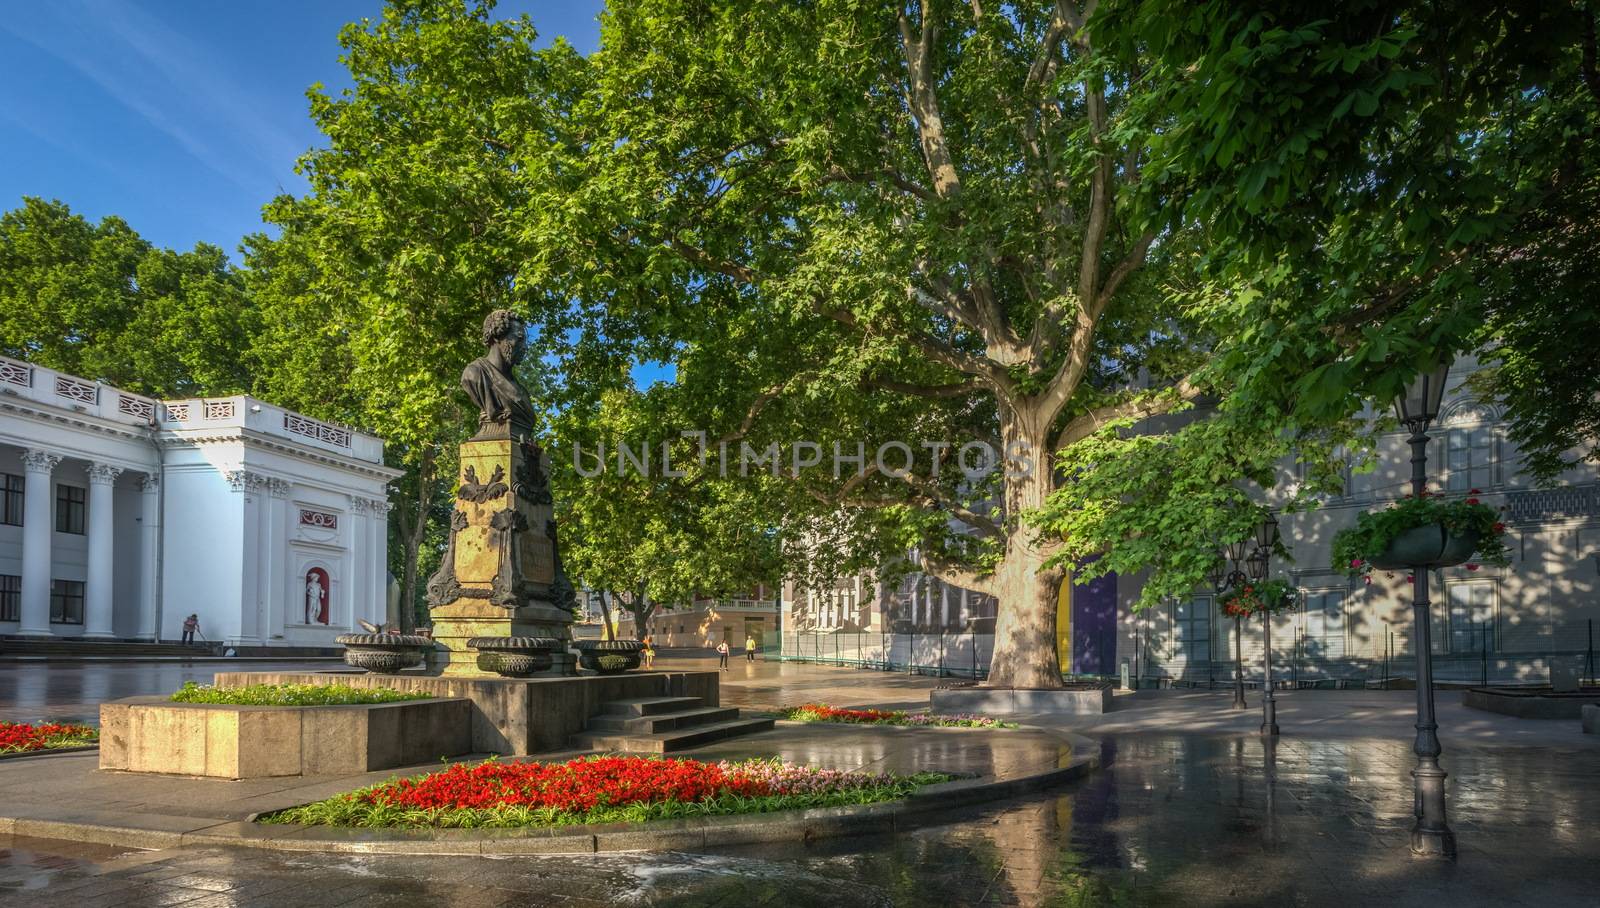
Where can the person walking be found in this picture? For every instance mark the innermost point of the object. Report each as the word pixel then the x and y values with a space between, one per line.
pixel 190 625
pixel 649 652
pixel 722 654
pixel 750 648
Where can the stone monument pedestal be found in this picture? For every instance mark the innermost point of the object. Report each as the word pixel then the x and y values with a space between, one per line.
pixel 455 624
pixel 500 575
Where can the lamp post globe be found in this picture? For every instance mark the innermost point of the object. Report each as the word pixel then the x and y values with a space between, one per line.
pixel 1417 406
pixel 1256 565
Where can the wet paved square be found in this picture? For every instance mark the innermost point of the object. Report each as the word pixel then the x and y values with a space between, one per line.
pixel 1184 820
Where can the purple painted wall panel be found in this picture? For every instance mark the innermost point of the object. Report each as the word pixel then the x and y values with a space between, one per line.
pixel 1094 625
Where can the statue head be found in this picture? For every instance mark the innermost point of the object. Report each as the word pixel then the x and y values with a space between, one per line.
pixel 506 330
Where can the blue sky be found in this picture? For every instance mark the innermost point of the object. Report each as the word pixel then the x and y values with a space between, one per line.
pixel 182 116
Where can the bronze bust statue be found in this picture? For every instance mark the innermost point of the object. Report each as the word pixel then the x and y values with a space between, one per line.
pixel 504 407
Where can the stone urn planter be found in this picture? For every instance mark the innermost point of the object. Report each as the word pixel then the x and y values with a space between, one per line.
pixel 608 657
pixel 1431 546
pixel 516 657
pixel 384 654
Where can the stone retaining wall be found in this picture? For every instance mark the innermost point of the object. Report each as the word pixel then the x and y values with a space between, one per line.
pixel 153 734
pixel 1000 701
pixel 517 716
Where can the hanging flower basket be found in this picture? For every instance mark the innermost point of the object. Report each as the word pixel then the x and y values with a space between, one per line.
pixel 1431 546
pixel 1270 597
pixel 1422 533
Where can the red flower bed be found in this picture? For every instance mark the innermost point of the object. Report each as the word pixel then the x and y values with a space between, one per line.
pixel 20 736
pixel 826 713
pixel 576 785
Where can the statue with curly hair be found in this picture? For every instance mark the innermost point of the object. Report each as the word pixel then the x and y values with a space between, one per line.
pixel 504 407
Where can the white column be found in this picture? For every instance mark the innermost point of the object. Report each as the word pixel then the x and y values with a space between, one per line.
pixel 360 559
pixel 944 605
pixel 37 525
pixel 274 569
pixel 378 612
pixel 149 552
pixel 97 593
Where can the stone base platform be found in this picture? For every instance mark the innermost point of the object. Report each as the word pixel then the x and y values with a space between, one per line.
pixel 516 716
pixel 153 734
pixel 1087 700
pixel 1530 703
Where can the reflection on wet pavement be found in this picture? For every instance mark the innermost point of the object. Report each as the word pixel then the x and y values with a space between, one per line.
pixel 1170 820
pixel 72 691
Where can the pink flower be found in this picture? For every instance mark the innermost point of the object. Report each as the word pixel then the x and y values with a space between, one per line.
pixel 1411 578
pixel 1472 567
pixel 1499 528
pixel 1472 501
pixel 1369 579
pixel 1355 562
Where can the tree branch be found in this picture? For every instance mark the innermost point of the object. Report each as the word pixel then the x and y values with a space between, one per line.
pixel 924 103
pixel 1140 407
pixel 954 575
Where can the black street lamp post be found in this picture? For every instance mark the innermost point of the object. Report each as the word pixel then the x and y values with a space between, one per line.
pixel 1431 834
pixel 1257 566
pixel 1225 574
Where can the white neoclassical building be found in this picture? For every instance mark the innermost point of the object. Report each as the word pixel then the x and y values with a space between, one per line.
pixel 121 515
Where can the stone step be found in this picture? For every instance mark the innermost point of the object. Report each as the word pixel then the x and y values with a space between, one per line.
pixel 660 722
pixel 651 706
pixel 669 741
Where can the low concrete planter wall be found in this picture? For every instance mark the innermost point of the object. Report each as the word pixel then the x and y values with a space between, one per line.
pixel 1530 704
pixel 153 734
pixel 1012 702
pixel 517 716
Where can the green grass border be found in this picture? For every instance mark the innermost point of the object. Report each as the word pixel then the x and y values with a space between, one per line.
pixel 292 695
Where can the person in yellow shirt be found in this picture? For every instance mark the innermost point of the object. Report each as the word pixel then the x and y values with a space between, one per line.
pixel 750 648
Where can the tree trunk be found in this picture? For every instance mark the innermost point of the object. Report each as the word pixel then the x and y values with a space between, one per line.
pixel 642 609
pixel 605 616
pixel 1025 628
pixel 413 532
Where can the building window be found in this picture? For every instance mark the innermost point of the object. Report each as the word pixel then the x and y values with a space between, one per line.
pixel 10 597
pixel 69 509
pixel 1471 616
pixel 11 492
pixel 66 602
pixel 1471 459
pixel 1324 634
pixel 1191 622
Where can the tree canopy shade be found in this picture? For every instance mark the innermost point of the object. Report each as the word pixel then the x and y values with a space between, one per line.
pixel 857 223
pixel 97 300
pixel 1383 183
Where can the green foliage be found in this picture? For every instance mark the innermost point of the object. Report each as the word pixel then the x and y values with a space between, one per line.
pixel 291 695
pixel 101 302
pixel 349 810
pixel 1355 547
pixel 1381 183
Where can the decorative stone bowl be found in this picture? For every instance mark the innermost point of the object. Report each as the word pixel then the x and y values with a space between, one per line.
pixel 1430 546
pixel 384 654
pixel 516 657
pixel 608 657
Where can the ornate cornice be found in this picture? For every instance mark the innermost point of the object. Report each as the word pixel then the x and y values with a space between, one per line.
pixel 102 474
pixel 377 507
pixel 149 482
pixel 245 481
pixel 279 488
pixel 37 461
pixel 236 435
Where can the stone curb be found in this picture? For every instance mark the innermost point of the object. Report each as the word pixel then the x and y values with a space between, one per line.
pixel 919 809
pixel 49 752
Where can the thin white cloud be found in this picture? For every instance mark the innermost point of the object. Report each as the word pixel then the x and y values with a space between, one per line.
pixel 175 85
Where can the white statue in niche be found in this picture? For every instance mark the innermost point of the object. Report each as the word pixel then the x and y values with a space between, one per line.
pixel 316 596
